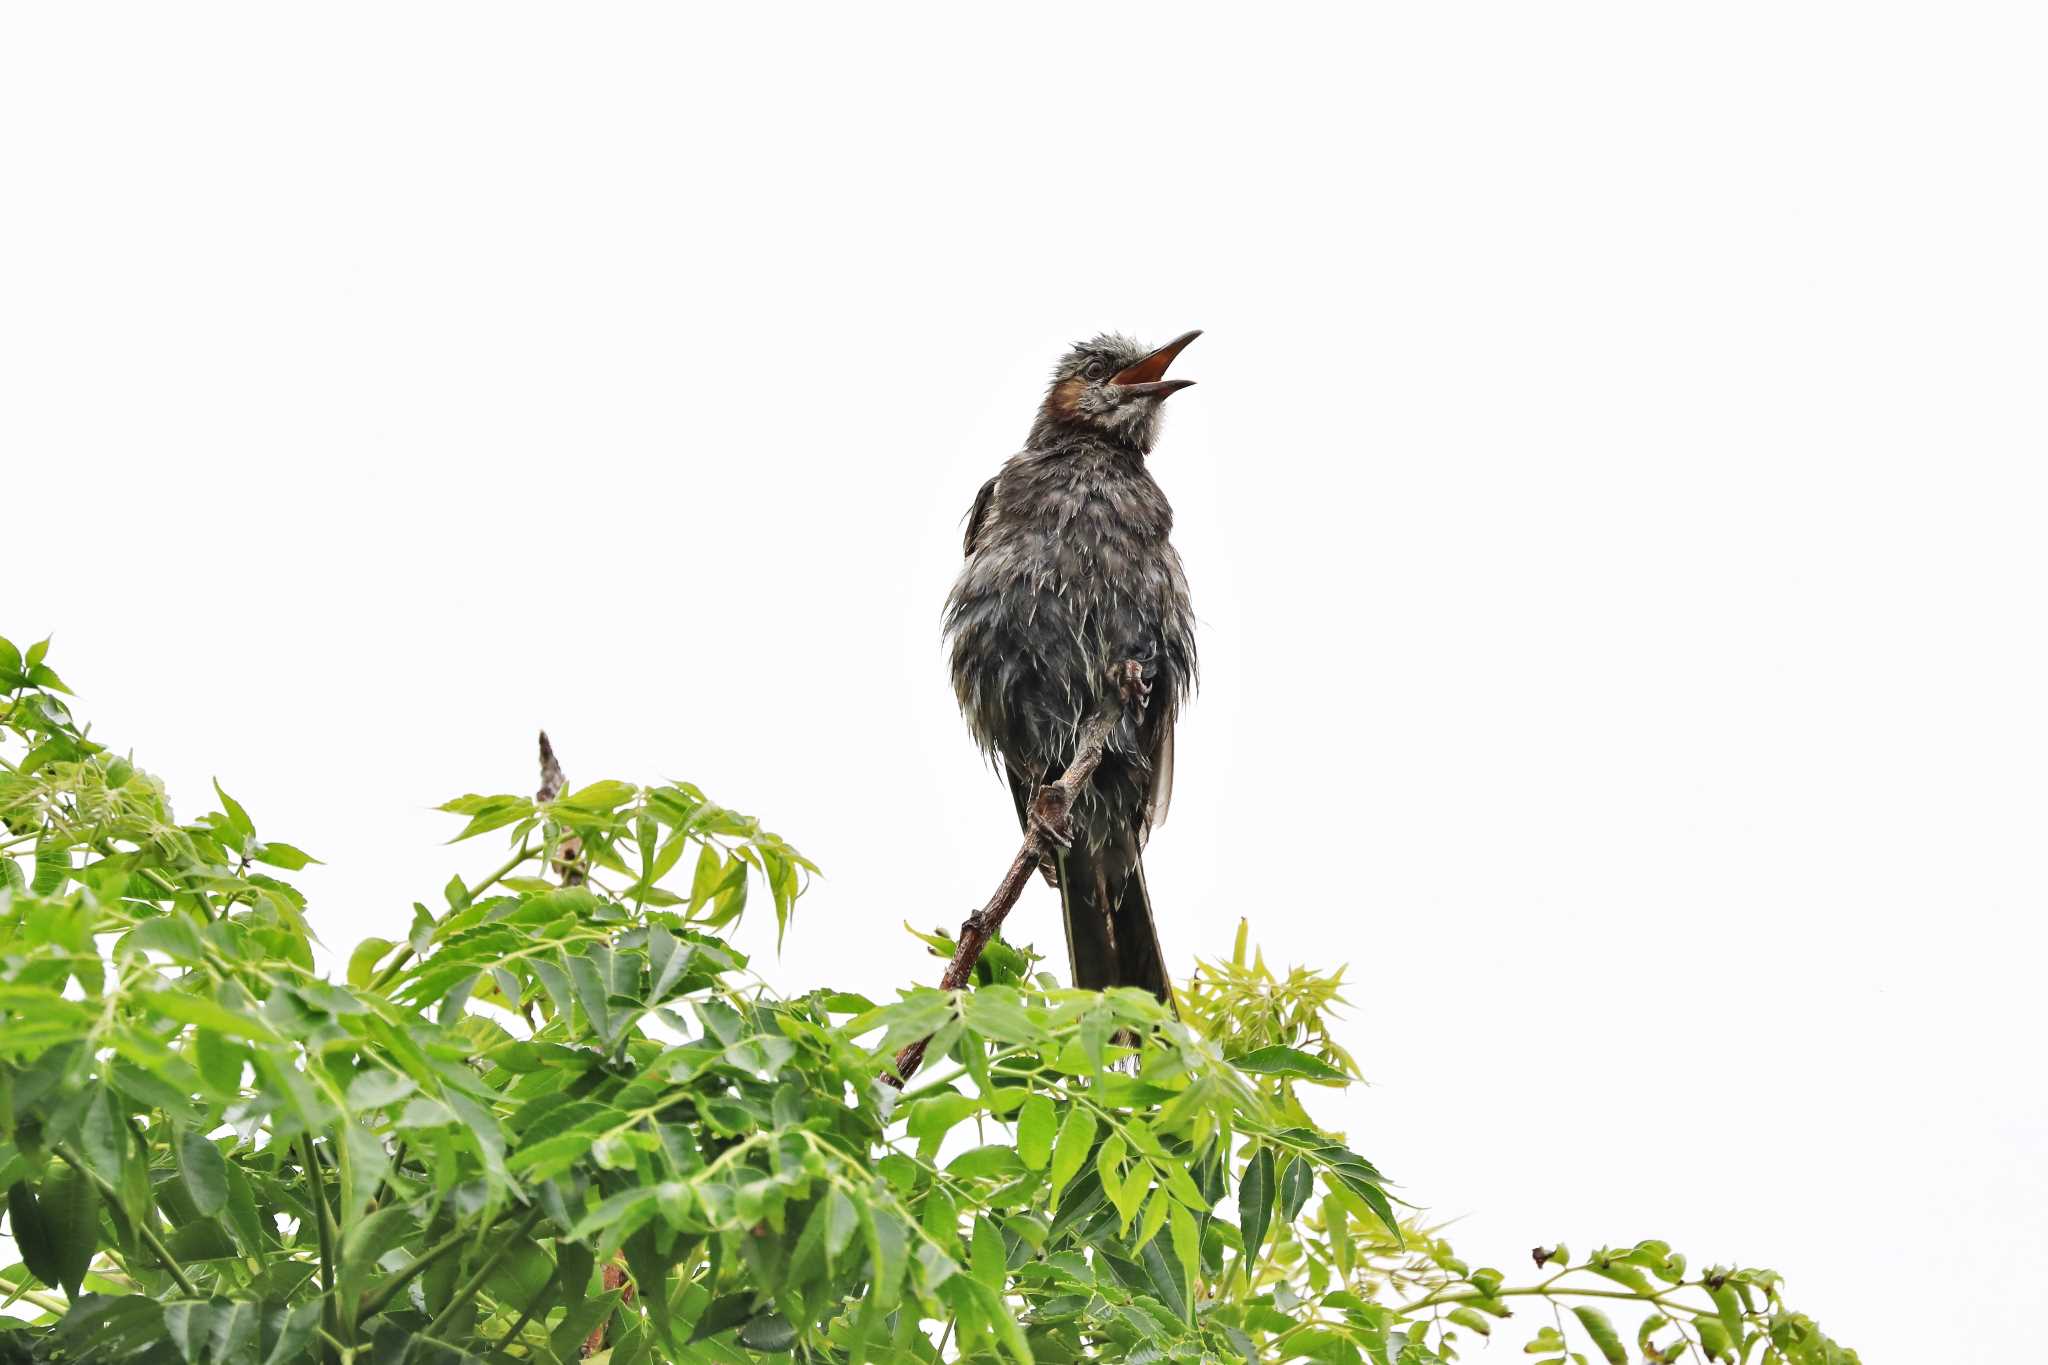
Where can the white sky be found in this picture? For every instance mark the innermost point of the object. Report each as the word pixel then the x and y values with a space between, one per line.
pixel 1613 499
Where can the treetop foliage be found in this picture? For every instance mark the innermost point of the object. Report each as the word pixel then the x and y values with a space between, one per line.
pixel 544 1119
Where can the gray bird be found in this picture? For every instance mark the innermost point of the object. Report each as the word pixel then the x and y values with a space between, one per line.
pixel 1073 600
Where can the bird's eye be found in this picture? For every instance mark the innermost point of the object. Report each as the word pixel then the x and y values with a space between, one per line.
pixel 1096 369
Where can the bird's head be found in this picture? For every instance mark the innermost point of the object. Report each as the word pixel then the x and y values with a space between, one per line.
pixel 1113 387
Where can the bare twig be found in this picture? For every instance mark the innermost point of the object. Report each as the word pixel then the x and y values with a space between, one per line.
pixel 1048 812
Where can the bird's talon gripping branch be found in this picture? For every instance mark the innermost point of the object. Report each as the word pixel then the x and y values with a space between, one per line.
pixel 1131 683
pixel 1049 810
pixel 983 925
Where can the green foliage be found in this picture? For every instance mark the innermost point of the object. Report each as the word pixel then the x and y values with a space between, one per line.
pixel 543 1112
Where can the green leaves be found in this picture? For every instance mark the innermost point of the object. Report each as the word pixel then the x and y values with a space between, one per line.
pixel 1255 1201
pixel 1035 1130
pixel 32 1234
pixel 57 1227
pixel 1071 1148
pixel 1291 1062
pixel 487 813
pixel 1601 1330
pixel 204 1173
pixel 509 1111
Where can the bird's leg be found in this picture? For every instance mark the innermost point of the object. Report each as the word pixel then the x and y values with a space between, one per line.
pixel 1049 809
pixel 1131 683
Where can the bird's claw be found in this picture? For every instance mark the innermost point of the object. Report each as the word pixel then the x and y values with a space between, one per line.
pixel 1131 683
pixel 1049 816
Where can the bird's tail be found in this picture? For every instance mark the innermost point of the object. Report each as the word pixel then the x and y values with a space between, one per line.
pixel 1111 940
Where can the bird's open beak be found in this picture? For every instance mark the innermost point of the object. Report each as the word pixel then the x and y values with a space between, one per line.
pixel 1143 378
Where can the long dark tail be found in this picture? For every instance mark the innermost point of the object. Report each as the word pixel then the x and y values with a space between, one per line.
pixel 1111 940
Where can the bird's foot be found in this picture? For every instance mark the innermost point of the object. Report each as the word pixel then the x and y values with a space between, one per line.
pixel 1131 683
pixel 1049 811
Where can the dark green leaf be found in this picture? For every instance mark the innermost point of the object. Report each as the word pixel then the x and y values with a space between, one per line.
pixel 203 1171
pixel 32 1234
pixel 1255 1202
pixel 71 1221
pixel 291 1331
pixel 723 1315
pixel 1296 1180
pixel 771 1332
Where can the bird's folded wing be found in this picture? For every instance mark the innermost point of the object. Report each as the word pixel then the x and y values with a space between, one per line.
pixel 978 514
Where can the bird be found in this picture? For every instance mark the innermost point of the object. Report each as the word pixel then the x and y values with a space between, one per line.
pixel 1072 601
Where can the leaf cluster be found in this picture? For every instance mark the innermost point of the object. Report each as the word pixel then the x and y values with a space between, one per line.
pixel 550 1119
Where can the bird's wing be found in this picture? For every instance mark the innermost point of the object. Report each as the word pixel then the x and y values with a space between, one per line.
pixel 1161 795
pixel 979 513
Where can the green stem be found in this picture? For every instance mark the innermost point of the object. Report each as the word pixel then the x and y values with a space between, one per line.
pixel 476 1281
pixel 1546 1290
pixel 526 1313
pixel 49 1303
pixel 373 1302
pixel 323 1223
pixel 390 973
pixel 143 1224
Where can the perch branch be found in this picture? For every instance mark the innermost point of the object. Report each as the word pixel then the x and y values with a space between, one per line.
pixel 1048 813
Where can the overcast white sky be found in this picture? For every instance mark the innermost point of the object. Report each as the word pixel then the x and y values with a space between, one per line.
pixel 1613 498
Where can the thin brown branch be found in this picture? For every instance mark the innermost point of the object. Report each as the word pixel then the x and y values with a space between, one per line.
pixel 1048 813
